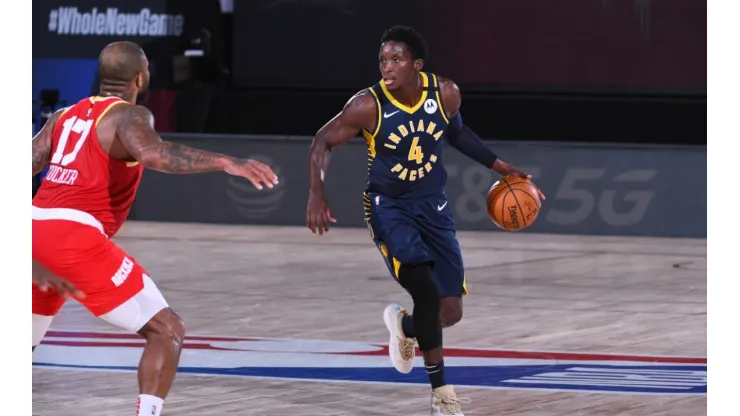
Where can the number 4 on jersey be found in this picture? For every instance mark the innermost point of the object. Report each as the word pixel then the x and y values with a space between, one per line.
pixel 415 151
pixel 71 125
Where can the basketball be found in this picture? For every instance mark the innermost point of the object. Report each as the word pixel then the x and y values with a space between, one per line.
pixel 513 203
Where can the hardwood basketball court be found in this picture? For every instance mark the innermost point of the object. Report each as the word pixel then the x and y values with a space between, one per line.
pixel 281 322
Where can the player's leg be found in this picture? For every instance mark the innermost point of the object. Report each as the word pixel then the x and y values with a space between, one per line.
pixel 437 231
pixel 451 311
pixel 142 309
pixel 148 314
pixel 401 348
pixel 427 294
pixel 44 307
pixel 119 291
pixel 413 266
pixel 449 275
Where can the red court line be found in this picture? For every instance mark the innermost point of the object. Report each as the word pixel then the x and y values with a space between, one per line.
pixel 536 355
pixel 126 344
pixel 98 335
pixel 383 350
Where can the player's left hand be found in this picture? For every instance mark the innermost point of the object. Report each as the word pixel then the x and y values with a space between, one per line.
pixel 254 171
pixel 507 169
pixel 46 281
pixel 318 214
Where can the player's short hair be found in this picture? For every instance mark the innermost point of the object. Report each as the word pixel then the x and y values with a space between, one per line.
pixel 120 62
pixel 415 43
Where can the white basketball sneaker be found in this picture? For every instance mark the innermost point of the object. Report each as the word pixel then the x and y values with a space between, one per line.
pixel 401 349
pixel 446 403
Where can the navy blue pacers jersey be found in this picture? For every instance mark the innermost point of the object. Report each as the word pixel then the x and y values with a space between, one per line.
pixel 406 210
pixel 405 150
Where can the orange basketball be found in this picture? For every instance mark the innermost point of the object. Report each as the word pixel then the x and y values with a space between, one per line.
pixel 513 203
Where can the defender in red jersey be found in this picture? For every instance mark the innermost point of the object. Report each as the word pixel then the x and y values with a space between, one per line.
pixel 96 151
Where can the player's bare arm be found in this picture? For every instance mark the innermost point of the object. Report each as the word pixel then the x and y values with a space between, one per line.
pixel 41 152
pixel 359 112
pixel 465 140
pixel 135 130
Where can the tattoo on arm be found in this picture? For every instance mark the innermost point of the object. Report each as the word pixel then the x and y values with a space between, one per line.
pixel 176 158
pixel 136 132
pixel 41 147
pixel 40 157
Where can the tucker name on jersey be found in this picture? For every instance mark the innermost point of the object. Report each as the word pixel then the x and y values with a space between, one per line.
pixel 404 151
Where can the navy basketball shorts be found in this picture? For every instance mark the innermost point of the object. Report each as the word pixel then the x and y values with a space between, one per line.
pixel 414 231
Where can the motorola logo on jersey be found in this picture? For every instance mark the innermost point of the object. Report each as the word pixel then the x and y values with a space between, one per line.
pixel 430 106
pixel 69 20
pixel 249 201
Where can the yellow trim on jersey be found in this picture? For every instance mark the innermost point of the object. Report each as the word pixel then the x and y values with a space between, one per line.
pixel 439 102
pixel 366 205
pixel 95 98
pixel 370 137
pixel 396 267
pixel 100 117
pixel 418 105
pixel 370 141
pixel 380 111
pixel 383 250
pixel 397 264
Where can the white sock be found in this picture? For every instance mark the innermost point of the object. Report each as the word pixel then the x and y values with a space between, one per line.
pixel 148 405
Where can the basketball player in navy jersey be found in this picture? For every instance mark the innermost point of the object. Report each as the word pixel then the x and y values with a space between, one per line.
pixel 405 119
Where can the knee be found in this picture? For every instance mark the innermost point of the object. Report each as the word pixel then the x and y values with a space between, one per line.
pixel 451 314
pixel 418 281
pixel 173 327
pixel 165 325
pixel 411 254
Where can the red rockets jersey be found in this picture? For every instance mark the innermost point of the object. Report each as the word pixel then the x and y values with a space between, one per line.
pixel 81 175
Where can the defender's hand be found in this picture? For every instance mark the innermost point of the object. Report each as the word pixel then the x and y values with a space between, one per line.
pixel 318 215
pixel 45 280
pixel 254 171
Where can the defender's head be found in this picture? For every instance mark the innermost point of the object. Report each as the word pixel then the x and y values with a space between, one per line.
pixel 123 65
pixel 402 54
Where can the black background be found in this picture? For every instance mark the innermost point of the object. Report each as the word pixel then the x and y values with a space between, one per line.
pixel 576 70
pixel 656 46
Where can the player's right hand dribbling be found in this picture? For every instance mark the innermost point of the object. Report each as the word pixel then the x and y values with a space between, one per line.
pixel 507 169
pixel 256 172
pixel 318 215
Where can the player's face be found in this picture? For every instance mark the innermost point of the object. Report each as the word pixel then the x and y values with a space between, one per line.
pixel 397 66
pixel 142 83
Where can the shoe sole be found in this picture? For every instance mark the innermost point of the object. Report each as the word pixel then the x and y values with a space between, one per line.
pixel 391 323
